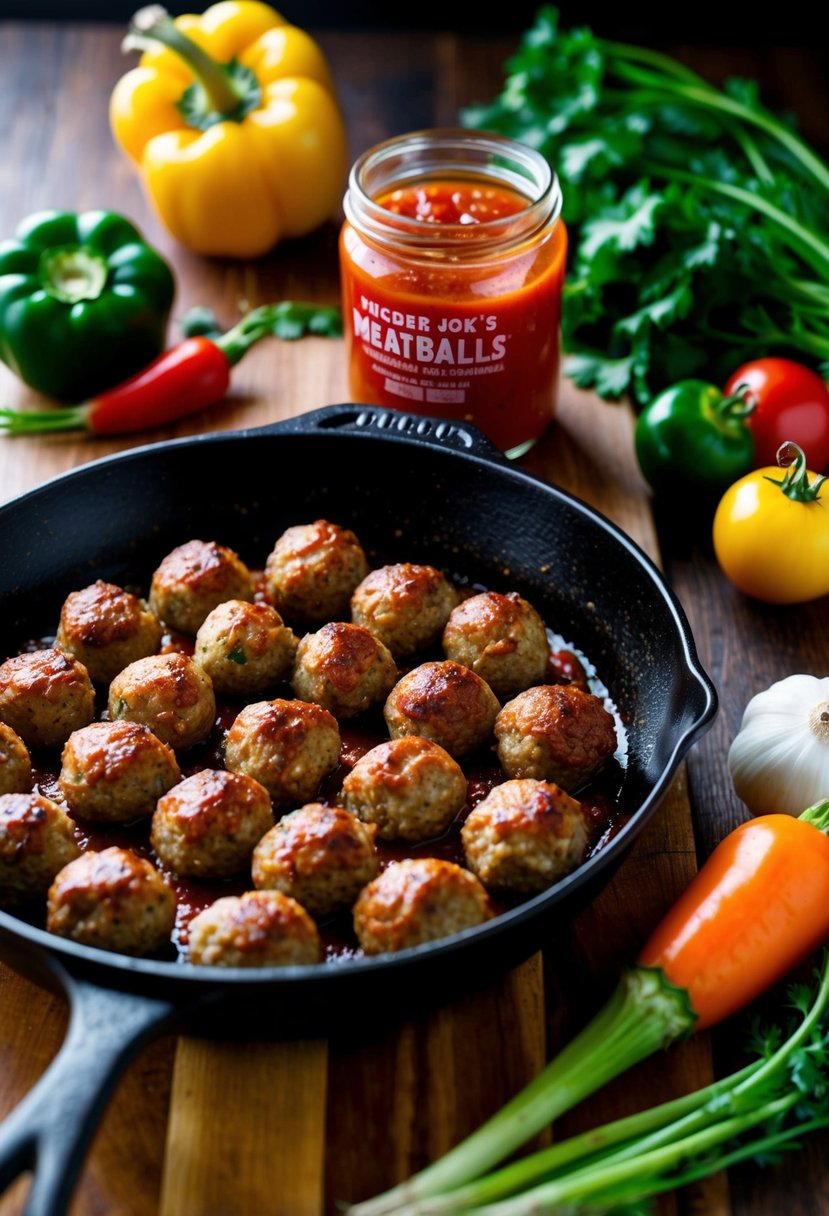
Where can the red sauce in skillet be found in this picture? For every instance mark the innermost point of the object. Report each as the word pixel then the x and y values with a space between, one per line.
pixel 599 800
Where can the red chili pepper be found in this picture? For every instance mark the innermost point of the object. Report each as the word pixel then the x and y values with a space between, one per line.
pixel 188 377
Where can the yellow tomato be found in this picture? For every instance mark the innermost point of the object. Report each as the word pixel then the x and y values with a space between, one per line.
pixel 771 535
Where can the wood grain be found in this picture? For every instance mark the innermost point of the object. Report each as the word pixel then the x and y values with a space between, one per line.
pixel 242 1129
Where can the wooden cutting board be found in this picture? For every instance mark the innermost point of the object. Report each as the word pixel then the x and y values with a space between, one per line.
pixel 256 1129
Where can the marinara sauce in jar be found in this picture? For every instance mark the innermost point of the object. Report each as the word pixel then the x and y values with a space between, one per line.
pixel 452 258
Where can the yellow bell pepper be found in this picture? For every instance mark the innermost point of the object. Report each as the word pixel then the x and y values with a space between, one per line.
pixel 232 118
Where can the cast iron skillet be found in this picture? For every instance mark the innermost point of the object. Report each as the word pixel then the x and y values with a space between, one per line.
pixel 412 488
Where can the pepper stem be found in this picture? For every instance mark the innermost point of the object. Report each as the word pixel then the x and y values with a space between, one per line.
pixel 223 91
pixel 72 273
pixel 796 484
pixel 740 404
pixel 817 816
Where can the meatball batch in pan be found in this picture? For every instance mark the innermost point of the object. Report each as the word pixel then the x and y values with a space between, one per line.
pixel 446 703
pixel 114 900
pixel 322 856
pixel 556 732
pixel 312 571
pixel 405 606
pixel 115 772
pixel 245 648
pixel 44 696
pixel 170 693
pixel 523 837
pixel 501 638
pixel 194 579
pixel 415 901
pixel 344 668
pixel 107 628
pixel 410 789
pixel 287 746
pixel 257 929
pixel 207 825
pixel 36 841
pixel 15 762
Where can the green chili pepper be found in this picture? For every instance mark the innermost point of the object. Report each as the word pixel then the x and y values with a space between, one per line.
pixel 692 435
pixel 84 302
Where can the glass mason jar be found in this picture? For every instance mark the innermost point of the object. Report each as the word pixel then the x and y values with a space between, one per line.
pixel 452 260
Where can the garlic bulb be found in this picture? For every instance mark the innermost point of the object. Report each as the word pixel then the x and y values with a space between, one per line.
pixel 779 761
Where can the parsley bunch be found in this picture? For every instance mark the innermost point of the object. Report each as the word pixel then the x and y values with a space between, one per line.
pixel 699 220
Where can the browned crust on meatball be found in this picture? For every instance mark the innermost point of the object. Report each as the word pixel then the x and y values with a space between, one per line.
pixel 555 732
pixel 257 929
pixel 36 841
pixel 524 836
pixel 159 691
pixel 15 762
pixel 208 824
pixel 288 746
pixel 104 751
pixel 404 605
pixel 313 569
pixel 320 855
pixel 44 696
pixel 410 787
pixel 195 578
pixel 344 668
pixel 114 900
pixel 501 638
pixel 416 901
pixel 444 702
pixel 106 628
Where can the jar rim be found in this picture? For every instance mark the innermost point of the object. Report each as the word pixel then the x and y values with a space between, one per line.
pixel 451 152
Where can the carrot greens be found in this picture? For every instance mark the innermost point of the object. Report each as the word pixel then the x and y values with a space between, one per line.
pixel 755 1114
pixel 699 219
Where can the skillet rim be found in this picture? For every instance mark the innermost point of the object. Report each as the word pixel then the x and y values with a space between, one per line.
pixel 478 452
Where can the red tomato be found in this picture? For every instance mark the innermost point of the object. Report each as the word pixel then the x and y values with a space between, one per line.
pixel 792 404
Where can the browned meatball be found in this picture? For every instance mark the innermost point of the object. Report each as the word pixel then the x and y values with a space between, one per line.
pixel 36 841
pixel 443 702
pixel 288 746
pixel 410 788
pixel 15 763
pixel 499 637
pixel 115 772
pixel 257 929
pixel 555 732
pixel 313 569
pixel 44 696
pixel 113 900
pixel 343 668
pixel 320 855
pixel 169 693
pixel 418 901
pixel 405 606
pixel 524 836
pixel 107 628
pixel 193 580
pixel 245 648
pixel 206 826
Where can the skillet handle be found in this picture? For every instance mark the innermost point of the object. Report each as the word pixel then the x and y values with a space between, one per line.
pixel 51 1129
pixel 361 419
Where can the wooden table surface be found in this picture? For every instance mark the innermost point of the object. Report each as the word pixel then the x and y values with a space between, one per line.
pixel 260 1129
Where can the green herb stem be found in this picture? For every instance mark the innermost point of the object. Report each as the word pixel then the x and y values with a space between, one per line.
pixel 644 1013
pixel 806 243
pixel 708 98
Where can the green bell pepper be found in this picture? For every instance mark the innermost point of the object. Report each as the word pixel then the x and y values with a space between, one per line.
pixel 693 436
pixel 84 302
